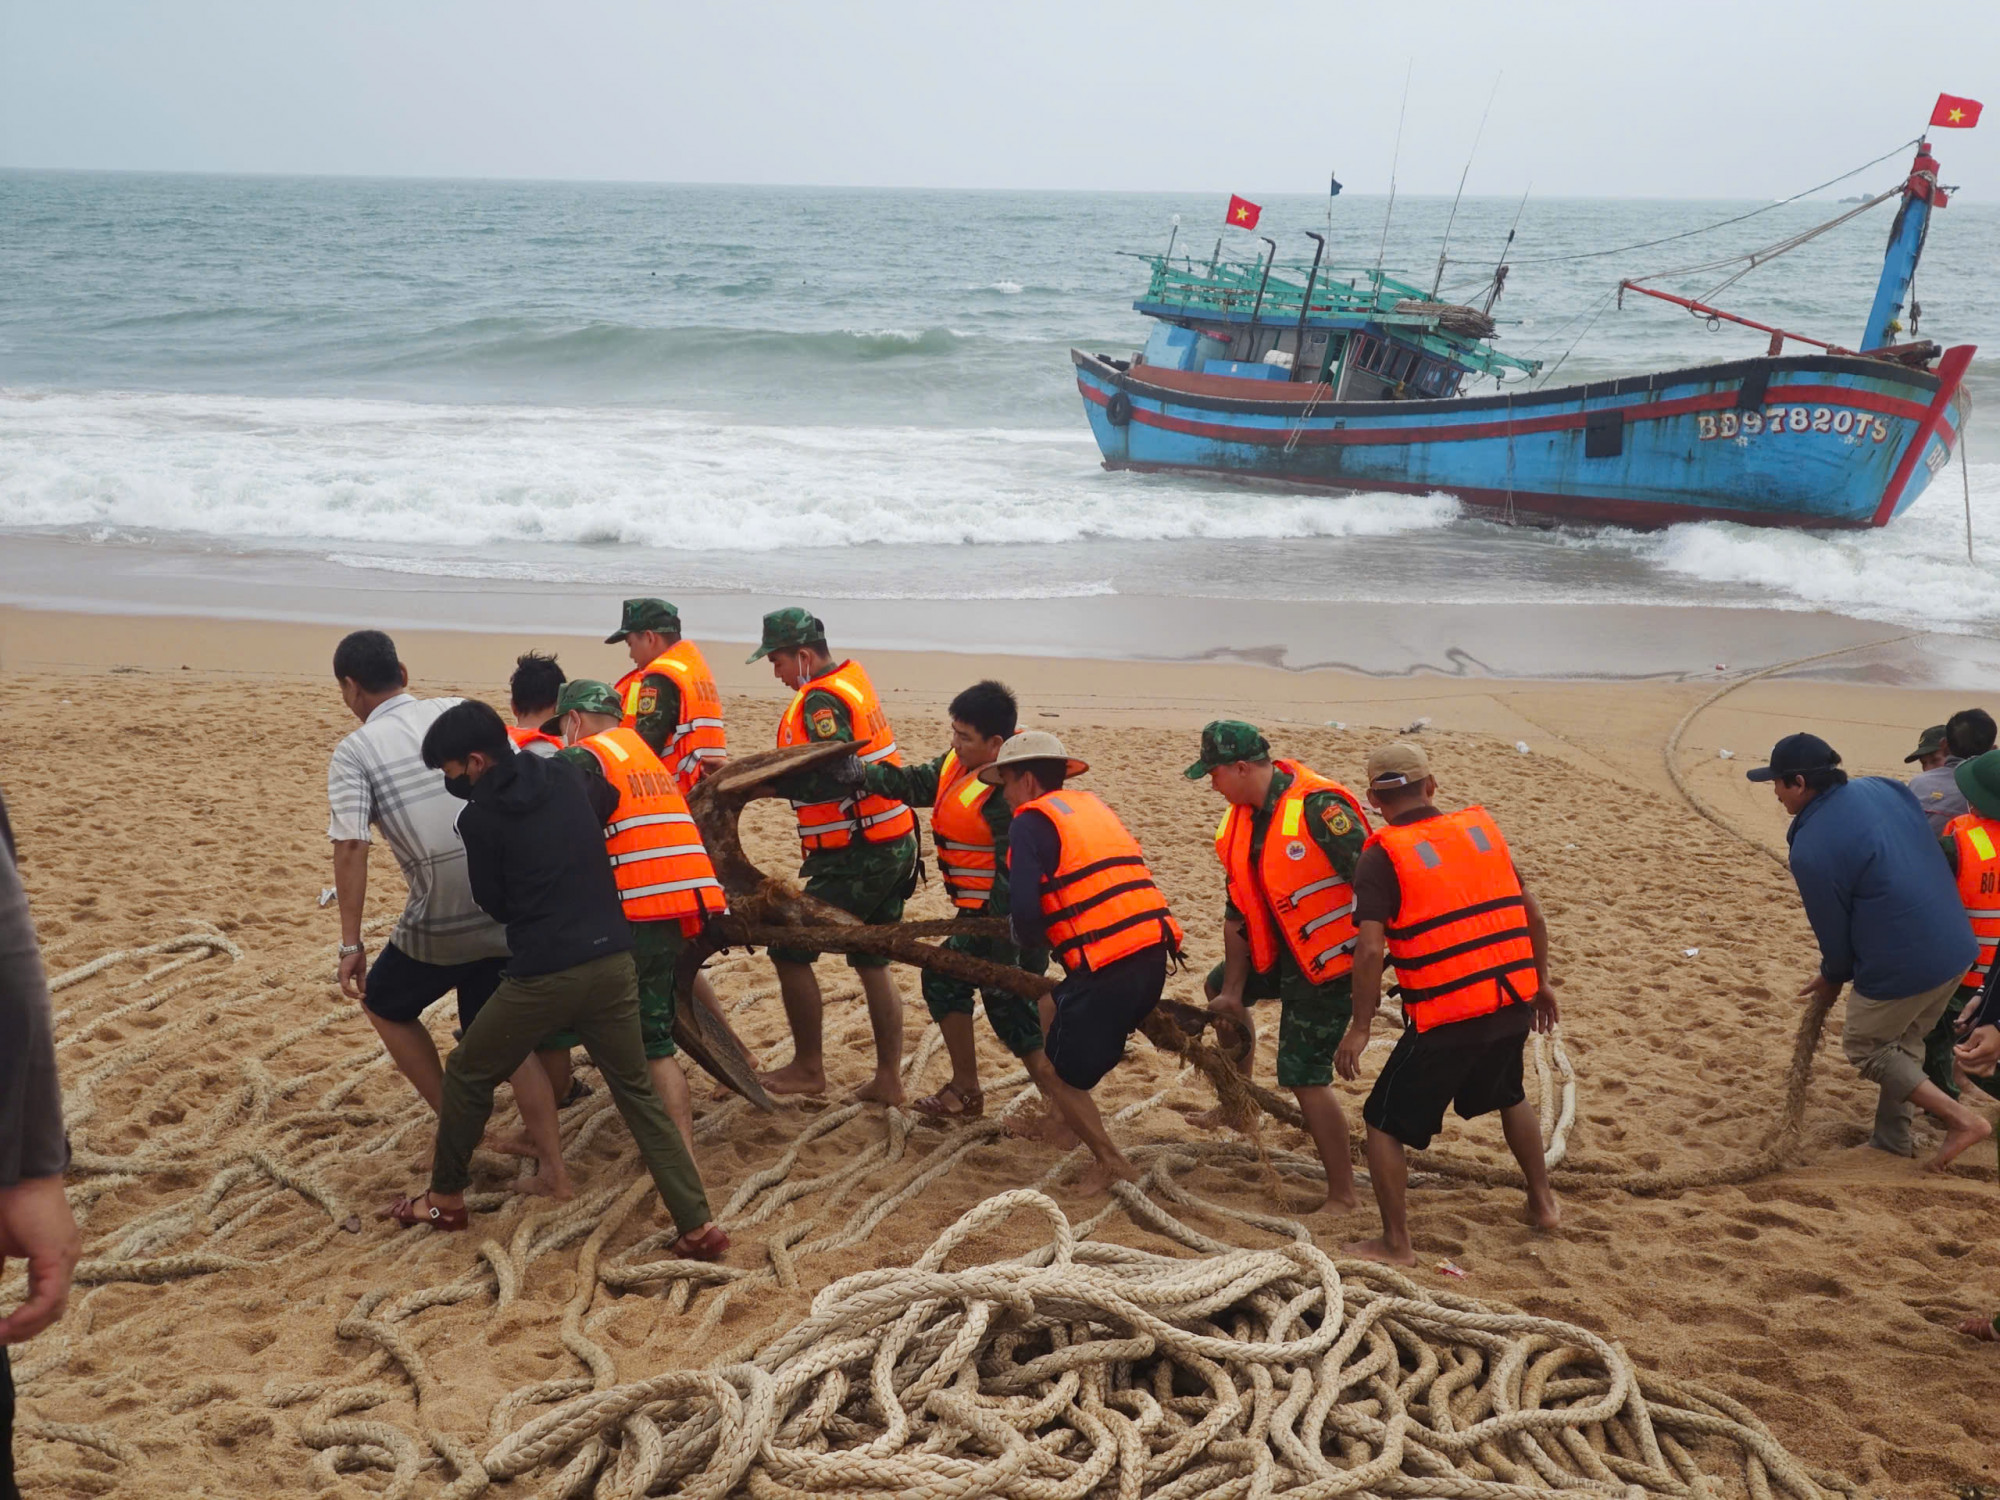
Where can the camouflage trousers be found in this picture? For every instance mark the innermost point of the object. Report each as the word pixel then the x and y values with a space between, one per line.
pixel 1017 1022
pixel 869 881
pixel 1311 1019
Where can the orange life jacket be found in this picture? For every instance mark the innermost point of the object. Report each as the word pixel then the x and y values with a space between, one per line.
pixel 832 825
pixel 1460 937
pixel 1293 887
pixel 662 870
pixel 1101 904
pixel 1979 885
pixel 697 741
pixel 527 739
pixel 964 841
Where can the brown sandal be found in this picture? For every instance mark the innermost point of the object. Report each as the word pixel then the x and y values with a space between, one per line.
pixel 971 1104
pixel 408 1213
pixel 706 1243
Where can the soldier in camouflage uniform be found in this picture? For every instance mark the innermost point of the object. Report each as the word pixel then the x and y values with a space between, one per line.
pixel 860 847
pixel 650 696
pixel 975 874
pixel 1236 760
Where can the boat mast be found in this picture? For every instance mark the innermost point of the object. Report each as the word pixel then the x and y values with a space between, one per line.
pixel 1921 194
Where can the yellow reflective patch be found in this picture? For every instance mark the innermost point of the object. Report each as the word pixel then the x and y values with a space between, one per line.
pixel 1222 828
pixel 1981 842
pixel 974 790
pixel 612 745
pixel 1294 809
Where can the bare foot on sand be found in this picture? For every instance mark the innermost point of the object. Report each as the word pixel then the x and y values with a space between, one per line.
pixel 1045 1127
pixel 1981 1329
pixel 1957 1139
pixel 1335 1204
pixel 1098 1176
pixel 1542 1215
pixel 1378 1250
pixel 545 1185
pixel 794 1078
pixel 1206 1119
pixel 881 1089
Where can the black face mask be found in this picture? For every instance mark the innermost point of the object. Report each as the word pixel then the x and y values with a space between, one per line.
pixel 459 786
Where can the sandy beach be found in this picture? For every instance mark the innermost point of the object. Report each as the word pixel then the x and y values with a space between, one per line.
pixel 235 1109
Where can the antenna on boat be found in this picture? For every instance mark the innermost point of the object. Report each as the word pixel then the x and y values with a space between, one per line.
pixel 1477 135
pixel 1172 237
pixel 1394 158
pixel 1500 266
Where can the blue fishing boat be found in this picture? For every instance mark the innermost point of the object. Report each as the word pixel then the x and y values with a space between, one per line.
pixel 1353 380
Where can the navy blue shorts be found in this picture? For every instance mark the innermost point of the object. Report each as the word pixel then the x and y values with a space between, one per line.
pixel 401 988
pixel 1097 1011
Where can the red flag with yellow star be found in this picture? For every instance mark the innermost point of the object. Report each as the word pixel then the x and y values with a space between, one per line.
pixel 1954 113
pixel 1244 214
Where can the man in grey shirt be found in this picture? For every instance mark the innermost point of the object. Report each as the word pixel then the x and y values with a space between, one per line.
pixel 443 941
pixel 35 1222
pixel 1940 750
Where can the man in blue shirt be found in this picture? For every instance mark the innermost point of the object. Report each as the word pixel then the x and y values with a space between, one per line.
pixel 1886 911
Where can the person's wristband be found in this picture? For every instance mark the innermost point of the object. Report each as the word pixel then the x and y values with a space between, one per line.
pixel 348 950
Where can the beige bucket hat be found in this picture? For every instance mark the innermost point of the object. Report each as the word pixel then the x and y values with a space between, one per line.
pixel 1031 744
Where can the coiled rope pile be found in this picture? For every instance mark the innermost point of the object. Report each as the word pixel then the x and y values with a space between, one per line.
pixel 1088 1368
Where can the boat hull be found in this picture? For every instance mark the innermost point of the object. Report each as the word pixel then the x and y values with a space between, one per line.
pixel 1812 441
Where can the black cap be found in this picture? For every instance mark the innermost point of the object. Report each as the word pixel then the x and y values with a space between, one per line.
pixel 1796 754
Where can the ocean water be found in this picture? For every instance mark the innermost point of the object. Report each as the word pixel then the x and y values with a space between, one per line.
pixel 851 394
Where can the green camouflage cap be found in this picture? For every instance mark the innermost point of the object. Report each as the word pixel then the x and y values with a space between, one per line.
pixel 1226 741
pixel 582 696
pixel 1979 779
pixel 788 629
pixel 645 614
pixel 1928 743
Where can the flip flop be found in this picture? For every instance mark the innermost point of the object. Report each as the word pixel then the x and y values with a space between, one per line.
pixel 971 1104
pixel 406 1212
pixel 578 1091
pixel 708 1243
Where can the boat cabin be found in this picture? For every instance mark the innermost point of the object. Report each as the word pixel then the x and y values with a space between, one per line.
pixel 1371 338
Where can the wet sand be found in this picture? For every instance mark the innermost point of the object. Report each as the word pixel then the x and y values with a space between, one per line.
pixel 1821 1297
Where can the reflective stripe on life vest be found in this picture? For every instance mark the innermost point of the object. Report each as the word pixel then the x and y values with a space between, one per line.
pixel 1292 887
pixel 534 741
pixel 1101 904
pixel 698 739
pixel 833 825
pixel 960 833
pixel 1460 939
pixel 663 873
pixel 1978 840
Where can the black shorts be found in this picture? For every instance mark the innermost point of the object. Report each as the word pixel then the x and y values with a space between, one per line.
pixel 401 988
pixel 1430 1070
pixel 1097 1011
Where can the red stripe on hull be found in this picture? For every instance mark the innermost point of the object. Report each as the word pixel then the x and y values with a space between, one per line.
pixel 1651 411
pixel 1642 515
pixel 1951 370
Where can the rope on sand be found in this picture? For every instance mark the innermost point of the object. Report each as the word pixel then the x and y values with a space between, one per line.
pixel 1084 1367
pixel 1670 751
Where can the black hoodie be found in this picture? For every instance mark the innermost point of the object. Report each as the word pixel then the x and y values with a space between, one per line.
pixel 534 849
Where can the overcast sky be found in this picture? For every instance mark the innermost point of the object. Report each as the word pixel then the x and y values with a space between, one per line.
pixel 1676 98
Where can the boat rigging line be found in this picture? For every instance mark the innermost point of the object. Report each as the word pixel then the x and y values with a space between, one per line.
pixel 1542 260
pixel 1477 136
pixel 1766 253
pixel 1395 157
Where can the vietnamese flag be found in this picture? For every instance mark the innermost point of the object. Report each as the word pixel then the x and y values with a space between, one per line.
pixel 1244 214
pixel 1954 113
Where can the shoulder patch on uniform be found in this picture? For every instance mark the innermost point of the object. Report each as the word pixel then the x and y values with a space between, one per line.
pixel 649 699
pixel 1338 823
pixel 825 723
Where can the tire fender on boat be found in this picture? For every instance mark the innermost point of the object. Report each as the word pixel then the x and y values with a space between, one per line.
pixel 1118 410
